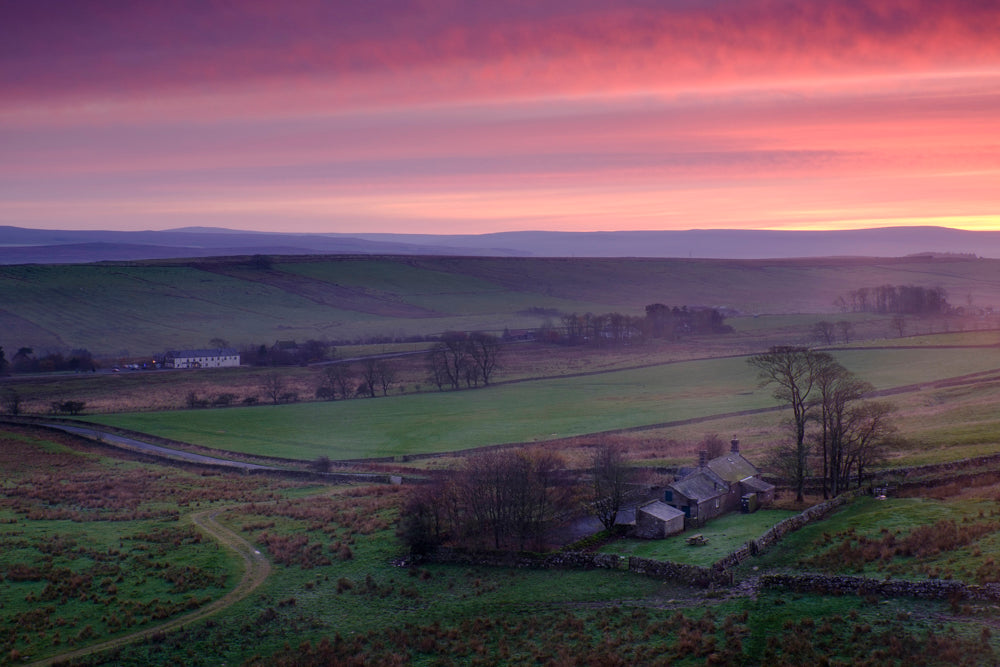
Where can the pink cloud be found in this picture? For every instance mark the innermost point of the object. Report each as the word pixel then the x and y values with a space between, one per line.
pixel 768 112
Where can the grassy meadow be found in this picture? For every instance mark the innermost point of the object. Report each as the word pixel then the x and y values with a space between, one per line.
pixel 524 412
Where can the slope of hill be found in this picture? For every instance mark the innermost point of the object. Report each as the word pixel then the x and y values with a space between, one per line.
pixel 19 245
pixel 146 307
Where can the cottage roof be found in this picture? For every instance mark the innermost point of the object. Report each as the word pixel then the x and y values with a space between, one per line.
pixel 211 352
pixel 732 467
pixel 700 485
pixel 752 484
pixel 660 510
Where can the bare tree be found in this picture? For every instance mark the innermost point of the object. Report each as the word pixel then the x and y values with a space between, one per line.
pixel 370 375
pixel 449 360
pixel 386 374
pixel 846 330
pixel 484 353
pixel 839 392
pixel 273 386
pixel 869 426
pixel 714 445
pixel 824 331
pixel 792 373
pixel 611 478
pixel 899 324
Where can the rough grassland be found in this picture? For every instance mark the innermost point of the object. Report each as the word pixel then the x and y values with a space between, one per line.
pixel 334 596
pixel 94 544
pixel 521 412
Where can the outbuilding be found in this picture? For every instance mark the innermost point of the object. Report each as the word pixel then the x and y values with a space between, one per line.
pixel 656 520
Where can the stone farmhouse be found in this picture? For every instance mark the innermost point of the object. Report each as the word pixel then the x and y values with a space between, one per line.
pixel 211 358
pixel 727 483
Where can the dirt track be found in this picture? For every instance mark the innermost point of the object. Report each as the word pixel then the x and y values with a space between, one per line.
pixel 257 569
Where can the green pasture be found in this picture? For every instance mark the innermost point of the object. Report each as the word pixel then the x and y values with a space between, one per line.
pixel 725 534
pixel 957 338
pixel 520 412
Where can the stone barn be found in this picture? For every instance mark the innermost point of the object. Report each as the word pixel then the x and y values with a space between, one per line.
pixel 656 520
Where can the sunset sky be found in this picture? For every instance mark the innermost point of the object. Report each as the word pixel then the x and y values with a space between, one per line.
pixel 438 116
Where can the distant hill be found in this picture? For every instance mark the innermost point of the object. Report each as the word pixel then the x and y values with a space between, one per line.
pixel 142 307
pixel 20 246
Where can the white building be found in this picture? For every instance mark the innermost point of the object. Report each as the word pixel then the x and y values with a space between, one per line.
pixel 213 358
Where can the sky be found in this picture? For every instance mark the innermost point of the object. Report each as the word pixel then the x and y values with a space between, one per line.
pixel 445 117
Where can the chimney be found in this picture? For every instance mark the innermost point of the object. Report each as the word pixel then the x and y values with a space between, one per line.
pixel 734 446
pixel 703 458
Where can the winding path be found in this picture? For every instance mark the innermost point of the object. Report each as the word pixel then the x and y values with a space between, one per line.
pixel 257 569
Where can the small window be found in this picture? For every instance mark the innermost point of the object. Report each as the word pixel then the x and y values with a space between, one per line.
pixel 668 496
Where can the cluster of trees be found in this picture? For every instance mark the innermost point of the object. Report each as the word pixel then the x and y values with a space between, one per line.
pixel 660 321
pixel 606 329
pixel 373 376
pixel 827 332
pixel 829 412
pixel 665 322
pixel 901 299
pixel 500 499
pixel 25 361
pixel 612 478
pixel 459 358
pixel 286 353
pixel 68 407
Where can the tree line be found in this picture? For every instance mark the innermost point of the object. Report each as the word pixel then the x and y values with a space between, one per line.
pixel 26 361
pixel 499 499
pixel 510 498
pixel 463 358
pixel 901 299
pixel 831 418
pixel 660 321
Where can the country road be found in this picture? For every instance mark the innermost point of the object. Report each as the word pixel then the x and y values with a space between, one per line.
pixel 257 568
pixel 132 443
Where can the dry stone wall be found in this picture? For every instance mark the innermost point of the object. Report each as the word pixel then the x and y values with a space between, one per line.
pixel 931 589
pixel 578 560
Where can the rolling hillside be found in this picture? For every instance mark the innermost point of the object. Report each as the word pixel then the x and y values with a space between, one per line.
pixel 145 307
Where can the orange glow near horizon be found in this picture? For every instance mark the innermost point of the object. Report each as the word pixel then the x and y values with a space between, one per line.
pixel 419 118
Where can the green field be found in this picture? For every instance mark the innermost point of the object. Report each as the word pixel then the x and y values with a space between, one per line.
pixel 521 412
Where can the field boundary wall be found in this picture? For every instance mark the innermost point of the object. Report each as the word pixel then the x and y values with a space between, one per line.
pixel 694 575
pixel 782 528
pixel 931 589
